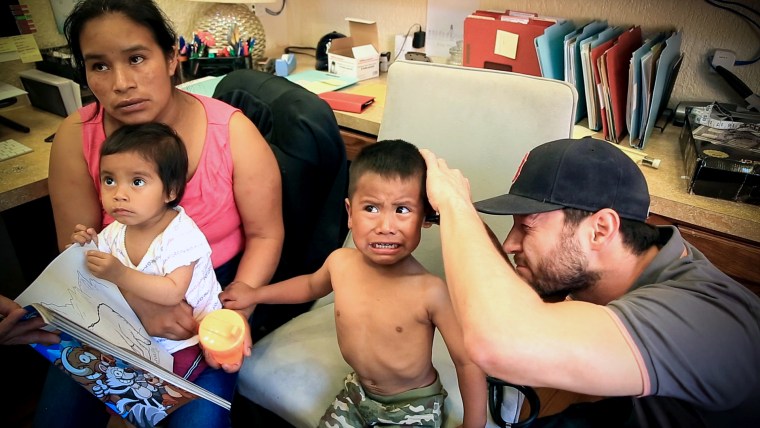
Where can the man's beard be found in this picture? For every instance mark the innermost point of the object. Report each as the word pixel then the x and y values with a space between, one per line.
pixel 563 271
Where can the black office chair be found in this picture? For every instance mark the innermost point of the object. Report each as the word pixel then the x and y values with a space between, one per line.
pixel 302 131
pixel 496 397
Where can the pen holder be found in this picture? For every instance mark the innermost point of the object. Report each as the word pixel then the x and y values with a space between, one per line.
pixel 196 68
pixel 221 333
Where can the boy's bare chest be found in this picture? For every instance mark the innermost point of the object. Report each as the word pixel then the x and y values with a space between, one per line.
pixel 394 309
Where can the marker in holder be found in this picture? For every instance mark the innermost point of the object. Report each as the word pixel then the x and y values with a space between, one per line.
pixel 221 333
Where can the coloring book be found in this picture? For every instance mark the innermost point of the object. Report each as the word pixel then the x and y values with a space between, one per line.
pixel 104 347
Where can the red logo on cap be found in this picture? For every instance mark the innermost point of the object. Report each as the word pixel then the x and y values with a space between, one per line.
pixel 519 168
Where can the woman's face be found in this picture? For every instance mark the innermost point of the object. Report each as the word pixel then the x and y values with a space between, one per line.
pixel 126 69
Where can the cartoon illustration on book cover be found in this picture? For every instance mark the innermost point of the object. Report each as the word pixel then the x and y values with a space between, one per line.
pixel 132 393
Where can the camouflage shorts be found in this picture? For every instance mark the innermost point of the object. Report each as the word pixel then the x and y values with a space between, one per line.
pixel 355 408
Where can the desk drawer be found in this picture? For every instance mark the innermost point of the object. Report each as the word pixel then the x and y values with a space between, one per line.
pixel 355 141
pixel 737 259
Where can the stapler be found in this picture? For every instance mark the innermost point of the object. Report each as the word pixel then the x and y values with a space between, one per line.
pixel 416 56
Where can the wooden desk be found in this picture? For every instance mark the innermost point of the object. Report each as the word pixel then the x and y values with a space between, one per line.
pixel 24 178
pixel 357 129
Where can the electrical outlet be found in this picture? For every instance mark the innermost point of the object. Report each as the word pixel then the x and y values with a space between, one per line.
pixel 723 58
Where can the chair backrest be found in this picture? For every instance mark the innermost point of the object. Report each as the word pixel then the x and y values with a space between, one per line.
pixel 302 131
pixel 482 122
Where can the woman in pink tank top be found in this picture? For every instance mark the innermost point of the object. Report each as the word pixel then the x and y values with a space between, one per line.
pixel 126 50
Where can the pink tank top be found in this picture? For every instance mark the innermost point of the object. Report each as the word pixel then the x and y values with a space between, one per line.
pixel 209 199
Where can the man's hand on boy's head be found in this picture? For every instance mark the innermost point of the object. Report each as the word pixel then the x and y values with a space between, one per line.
pixel 83 235
pixel 444 182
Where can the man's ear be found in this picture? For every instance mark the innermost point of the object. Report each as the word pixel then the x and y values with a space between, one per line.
pixel 605 224
pixel 348 210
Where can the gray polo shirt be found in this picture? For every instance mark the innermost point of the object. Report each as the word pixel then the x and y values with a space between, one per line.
pixel 697 332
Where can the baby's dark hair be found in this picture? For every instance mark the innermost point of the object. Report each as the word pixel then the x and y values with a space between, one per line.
pixel 157 143
pixel 390 159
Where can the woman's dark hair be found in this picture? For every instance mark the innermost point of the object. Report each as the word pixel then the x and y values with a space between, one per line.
pixel 390 159
pixel 157 143
pixel 637 235
pixel 142 12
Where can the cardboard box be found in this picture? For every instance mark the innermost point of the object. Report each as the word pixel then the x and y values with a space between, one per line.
pixel 722 163
pixel 357 55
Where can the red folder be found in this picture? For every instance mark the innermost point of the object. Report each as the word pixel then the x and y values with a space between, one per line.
pixel 344 101
pixel 480 37
pixel 594 64
pixel 618 61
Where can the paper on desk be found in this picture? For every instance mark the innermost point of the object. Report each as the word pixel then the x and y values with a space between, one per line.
pixel 319 81
pixel 9 91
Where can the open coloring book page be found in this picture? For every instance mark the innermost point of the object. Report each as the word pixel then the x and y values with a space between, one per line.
pixel 67 287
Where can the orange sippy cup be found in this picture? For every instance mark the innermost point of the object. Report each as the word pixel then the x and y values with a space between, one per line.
pixel 221 333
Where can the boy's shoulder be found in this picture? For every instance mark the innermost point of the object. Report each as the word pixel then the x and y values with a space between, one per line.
pixel 342 252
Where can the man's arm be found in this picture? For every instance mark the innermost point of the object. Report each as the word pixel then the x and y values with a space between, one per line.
pixel 509 332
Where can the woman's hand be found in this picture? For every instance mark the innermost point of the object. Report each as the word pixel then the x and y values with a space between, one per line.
pixel 172 322
pixel 247 344
pixel 16 331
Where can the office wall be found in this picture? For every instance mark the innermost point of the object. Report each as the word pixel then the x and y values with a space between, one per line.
pixel 704 28
pixel 181 12
pixel 303 22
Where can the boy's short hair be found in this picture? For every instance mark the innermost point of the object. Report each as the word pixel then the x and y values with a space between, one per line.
pixel 390 159
pixel 157 143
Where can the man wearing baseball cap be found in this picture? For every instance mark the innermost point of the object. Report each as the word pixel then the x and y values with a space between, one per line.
pixel 643 314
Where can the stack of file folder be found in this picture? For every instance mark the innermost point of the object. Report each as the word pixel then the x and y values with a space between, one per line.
pixel 624 79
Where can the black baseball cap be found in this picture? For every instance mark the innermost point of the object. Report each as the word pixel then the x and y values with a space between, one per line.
pixel 586 174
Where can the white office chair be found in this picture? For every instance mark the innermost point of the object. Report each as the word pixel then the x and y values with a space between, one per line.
pixel 482 122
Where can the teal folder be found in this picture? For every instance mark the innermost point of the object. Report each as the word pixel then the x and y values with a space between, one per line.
pixel 667 69
pixel 550 49
pixel 635 88
pixel 589 30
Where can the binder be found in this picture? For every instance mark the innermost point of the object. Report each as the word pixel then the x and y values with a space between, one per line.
pixel 618 60
pixel 503 40
pixel 550 49
pixel 343 101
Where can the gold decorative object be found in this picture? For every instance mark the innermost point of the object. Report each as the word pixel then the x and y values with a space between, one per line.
pixel 227 20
